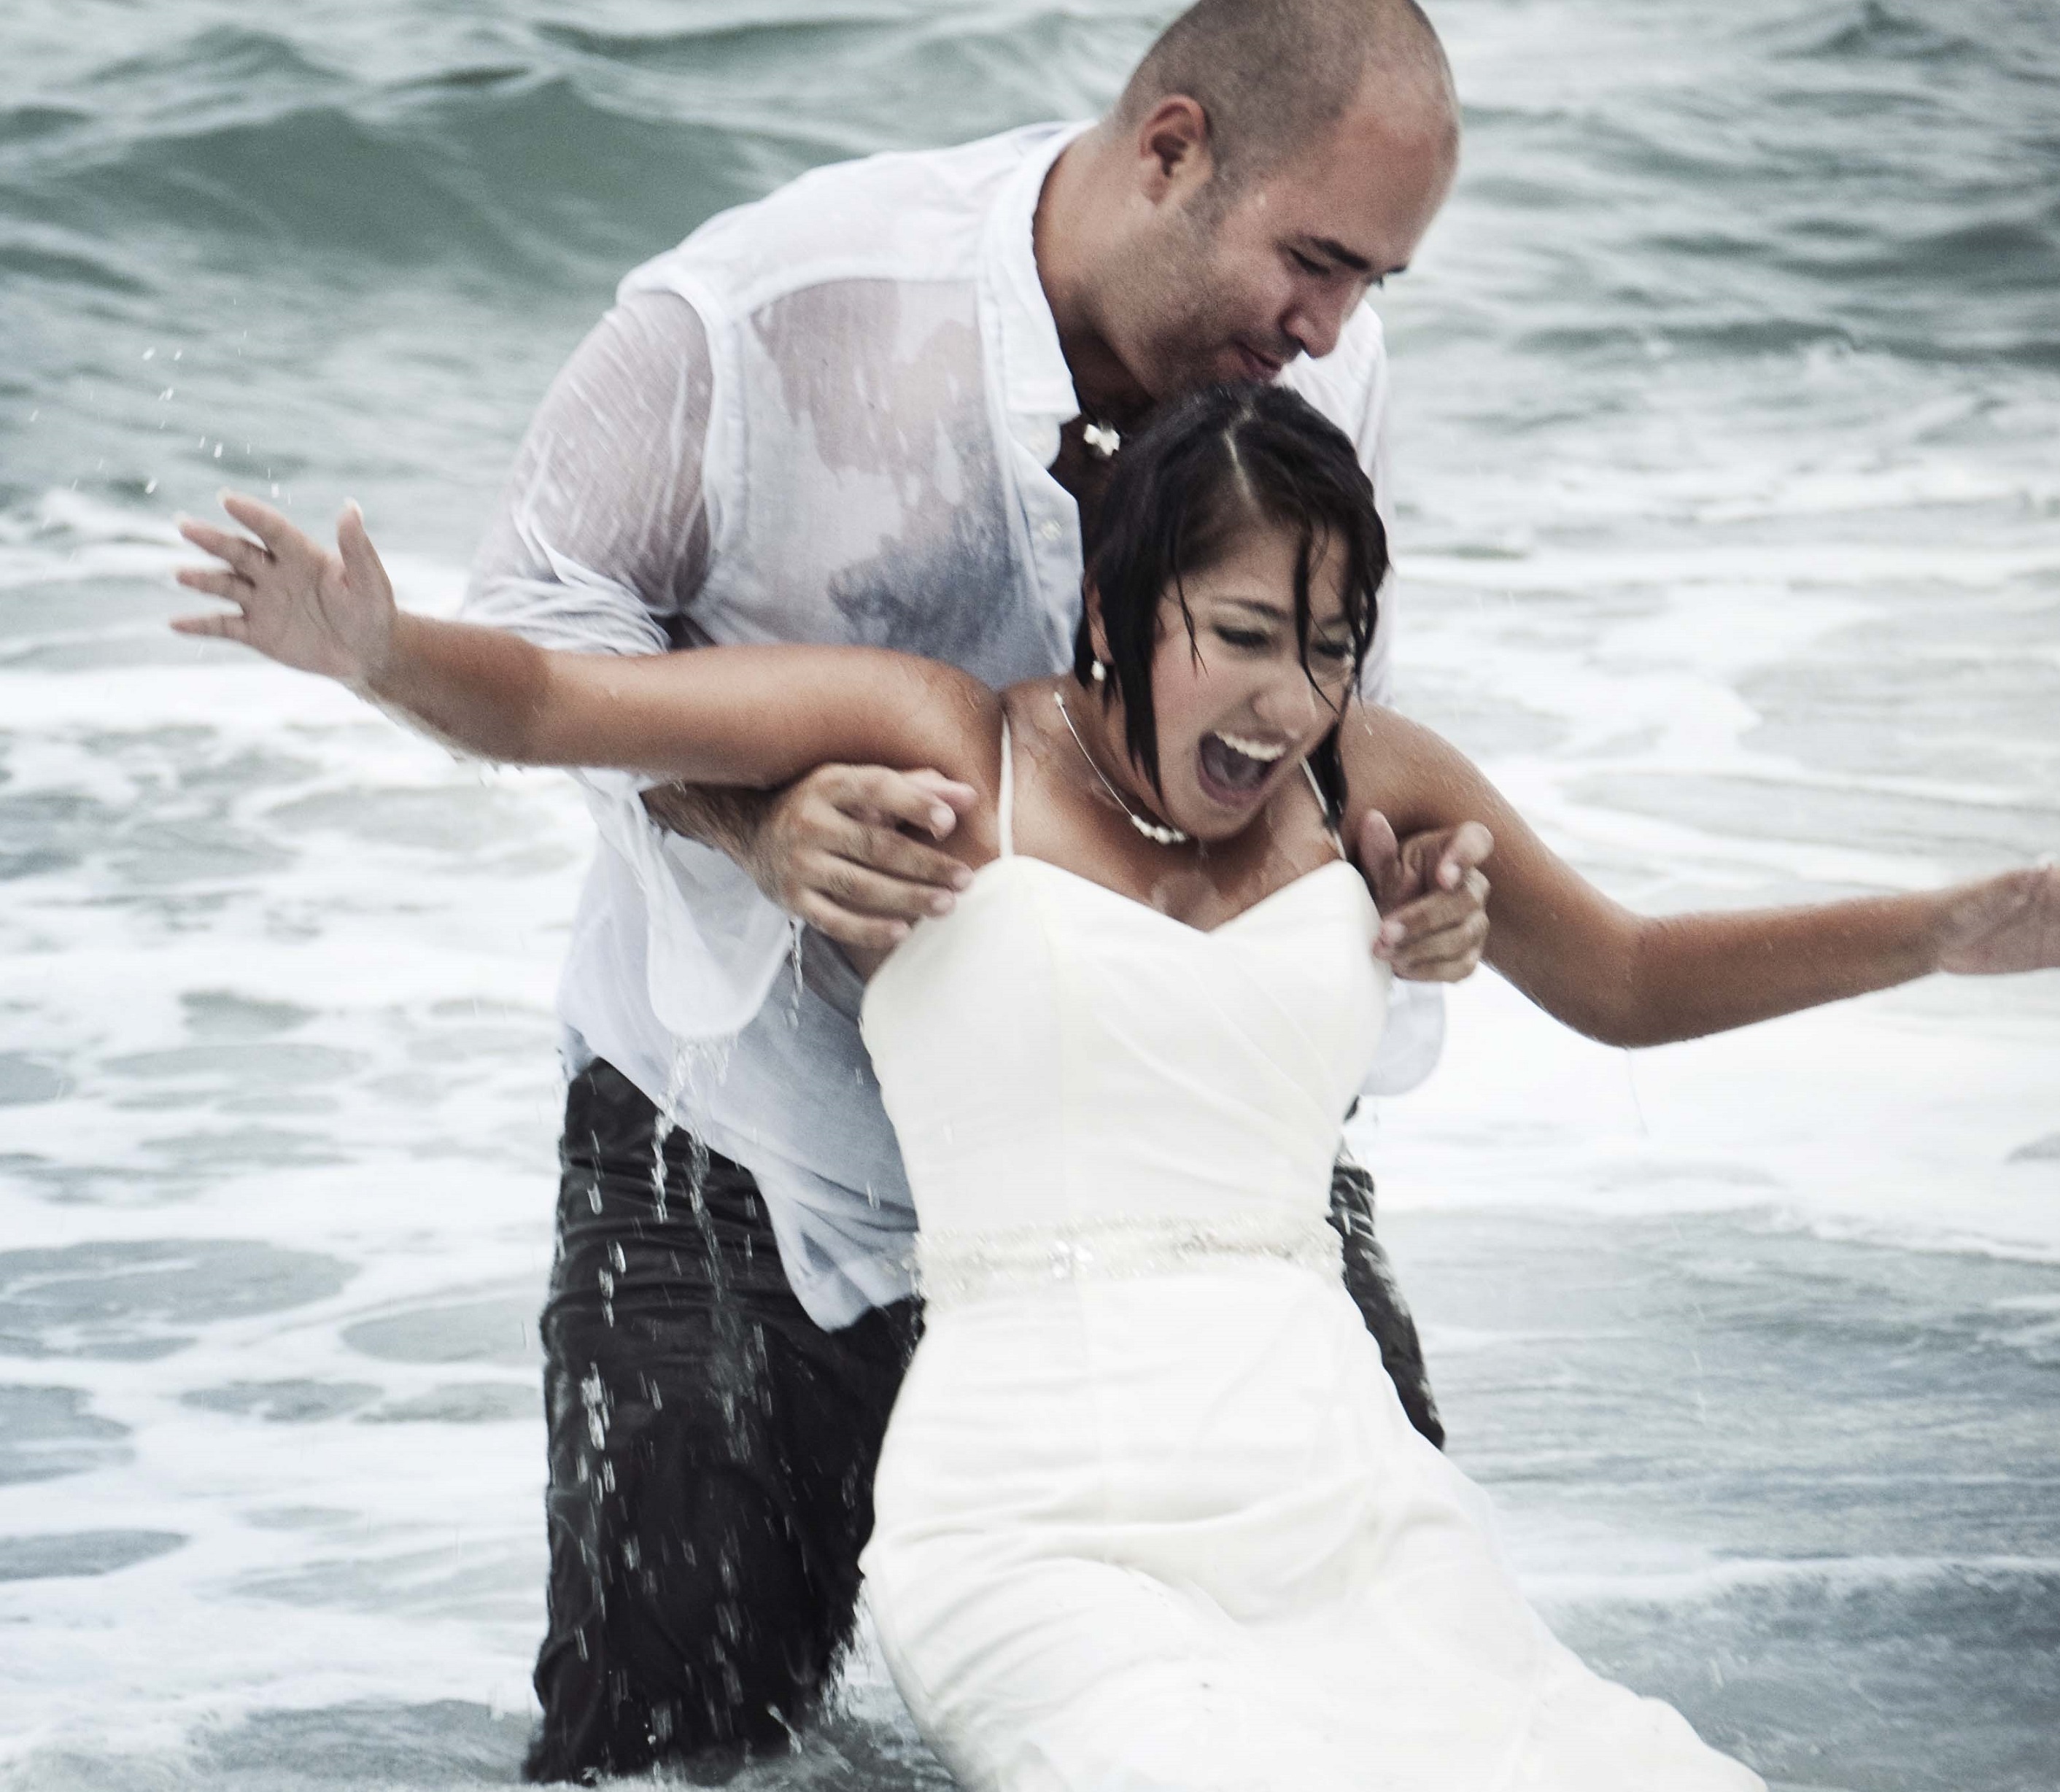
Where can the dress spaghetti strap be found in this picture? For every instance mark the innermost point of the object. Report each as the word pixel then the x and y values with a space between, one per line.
pixel 1004 814
pixel 1322 807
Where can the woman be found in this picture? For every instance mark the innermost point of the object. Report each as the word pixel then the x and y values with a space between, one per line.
pixel 1149 1513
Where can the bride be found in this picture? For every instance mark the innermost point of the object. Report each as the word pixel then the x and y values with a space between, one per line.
pixel 1149 1515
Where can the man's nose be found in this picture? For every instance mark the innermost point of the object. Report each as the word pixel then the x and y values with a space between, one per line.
pixel 1317 322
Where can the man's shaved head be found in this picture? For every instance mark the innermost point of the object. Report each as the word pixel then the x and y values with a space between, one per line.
pixel 1270 163
pixel 1274 76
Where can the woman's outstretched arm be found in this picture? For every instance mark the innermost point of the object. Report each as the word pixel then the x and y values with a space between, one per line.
pixel 1632 980
pixel 752 716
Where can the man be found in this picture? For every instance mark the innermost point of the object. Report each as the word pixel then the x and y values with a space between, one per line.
pixel 872 408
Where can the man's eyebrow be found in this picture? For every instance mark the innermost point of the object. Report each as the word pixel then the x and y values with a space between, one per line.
pixel 1346 258
pixel 1351 258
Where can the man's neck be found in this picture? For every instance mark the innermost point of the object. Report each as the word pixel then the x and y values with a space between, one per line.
pixel 1066 235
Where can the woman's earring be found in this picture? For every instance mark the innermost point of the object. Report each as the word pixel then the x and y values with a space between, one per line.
pixel 1098 671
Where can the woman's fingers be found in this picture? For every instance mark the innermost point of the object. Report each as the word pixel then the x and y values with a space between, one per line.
pixel 231 586
pixel 2006 924
pixel 247 556
pixel 298 602
pixel 361 566
pixel 224 625
pixel 281 538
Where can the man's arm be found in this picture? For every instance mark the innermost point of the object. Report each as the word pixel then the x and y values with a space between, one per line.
pixel 1429 888
pixel 602 544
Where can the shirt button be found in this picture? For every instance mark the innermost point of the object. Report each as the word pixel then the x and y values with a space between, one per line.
pixel 1050 530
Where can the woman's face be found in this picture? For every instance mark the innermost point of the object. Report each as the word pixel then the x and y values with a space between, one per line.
pixel 1237 709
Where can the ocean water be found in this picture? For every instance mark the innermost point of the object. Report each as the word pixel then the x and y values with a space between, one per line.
pixel 1727 397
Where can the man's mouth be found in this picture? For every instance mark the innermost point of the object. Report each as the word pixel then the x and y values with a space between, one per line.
pixel 1257 366
pixel 1233 766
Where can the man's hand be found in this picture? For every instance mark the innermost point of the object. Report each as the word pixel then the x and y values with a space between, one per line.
pixel 834 848
pixel 1431 894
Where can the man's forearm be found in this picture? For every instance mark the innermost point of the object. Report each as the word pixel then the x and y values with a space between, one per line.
pixel 726 817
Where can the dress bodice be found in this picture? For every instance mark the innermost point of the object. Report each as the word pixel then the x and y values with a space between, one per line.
pixel 1068 1068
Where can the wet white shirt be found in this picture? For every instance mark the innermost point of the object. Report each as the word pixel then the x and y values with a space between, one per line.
pixel 829 415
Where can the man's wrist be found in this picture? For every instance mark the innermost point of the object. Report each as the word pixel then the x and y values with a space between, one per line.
pixel 724 817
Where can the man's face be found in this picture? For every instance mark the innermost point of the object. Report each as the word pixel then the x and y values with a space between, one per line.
pixel 1235 291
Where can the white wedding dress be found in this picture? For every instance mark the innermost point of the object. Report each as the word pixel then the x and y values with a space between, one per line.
pixel 1149 1515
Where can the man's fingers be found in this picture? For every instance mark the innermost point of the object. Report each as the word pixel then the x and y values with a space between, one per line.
pixel 1471 846
pixel 961 797
pixel 1378 850
pixel 864 890
pixel 863 932
pixel 1440 909
pixel 886 849
pixel 1448 955
pixel 871 793
pixel 1438 938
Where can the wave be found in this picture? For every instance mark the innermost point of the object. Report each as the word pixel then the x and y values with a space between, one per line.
pixel 583 150
pixel 495 169
pixel 2030 1578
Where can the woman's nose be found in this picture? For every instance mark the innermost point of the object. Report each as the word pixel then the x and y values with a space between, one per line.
pixel 1291 705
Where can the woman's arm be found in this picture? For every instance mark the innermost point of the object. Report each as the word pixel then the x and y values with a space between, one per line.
pixel 750 716
pixel 1631 980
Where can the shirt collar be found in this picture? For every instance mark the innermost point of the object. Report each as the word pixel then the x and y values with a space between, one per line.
pixel 1036 386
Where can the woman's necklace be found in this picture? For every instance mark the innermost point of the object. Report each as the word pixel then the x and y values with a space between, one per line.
pixel 1157 831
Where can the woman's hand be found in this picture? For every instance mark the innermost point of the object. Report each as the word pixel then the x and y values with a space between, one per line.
pixel 2006 924
pixel 295 602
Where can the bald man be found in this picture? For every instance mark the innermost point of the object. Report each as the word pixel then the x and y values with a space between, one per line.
pixel 875 408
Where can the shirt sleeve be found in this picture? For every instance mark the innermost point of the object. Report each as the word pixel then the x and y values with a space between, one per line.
pixel 601 542
pixel 601 545
pixel 1376 682
pixel 1414 1038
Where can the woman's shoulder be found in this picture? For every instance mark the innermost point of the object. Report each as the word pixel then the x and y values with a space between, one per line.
pixel 1411 775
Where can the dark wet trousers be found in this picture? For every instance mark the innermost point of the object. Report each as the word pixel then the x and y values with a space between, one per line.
pixel 712 1448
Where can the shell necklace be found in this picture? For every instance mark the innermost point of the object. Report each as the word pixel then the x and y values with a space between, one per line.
pixel 1157 831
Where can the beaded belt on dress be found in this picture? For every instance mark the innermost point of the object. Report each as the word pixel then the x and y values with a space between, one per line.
pixel 954 1267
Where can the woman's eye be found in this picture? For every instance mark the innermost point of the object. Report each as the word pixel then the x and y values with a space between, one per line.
pixel 1336 652
pixel 1248 640
pixel 1304 263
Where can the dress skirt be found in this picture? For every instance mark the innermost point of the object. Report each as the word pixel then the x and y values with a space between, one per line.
pixel 1174 1533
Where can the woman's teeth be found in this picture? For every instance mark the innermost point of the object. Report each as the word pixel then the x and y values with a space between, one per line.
pixel 1264 752
pixel 1237 765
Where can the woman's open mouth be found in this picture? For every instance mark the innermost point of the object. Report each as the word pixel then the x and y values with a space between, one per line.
pixel 1234 767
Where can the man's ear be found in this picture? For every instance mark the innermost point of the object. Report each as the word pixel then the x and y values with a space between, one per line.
pixel 1174 151
pixel 1097 634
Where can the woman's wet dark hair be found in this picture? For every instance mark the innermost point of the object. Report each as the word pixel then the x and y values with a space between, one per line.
pixel 1209 465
